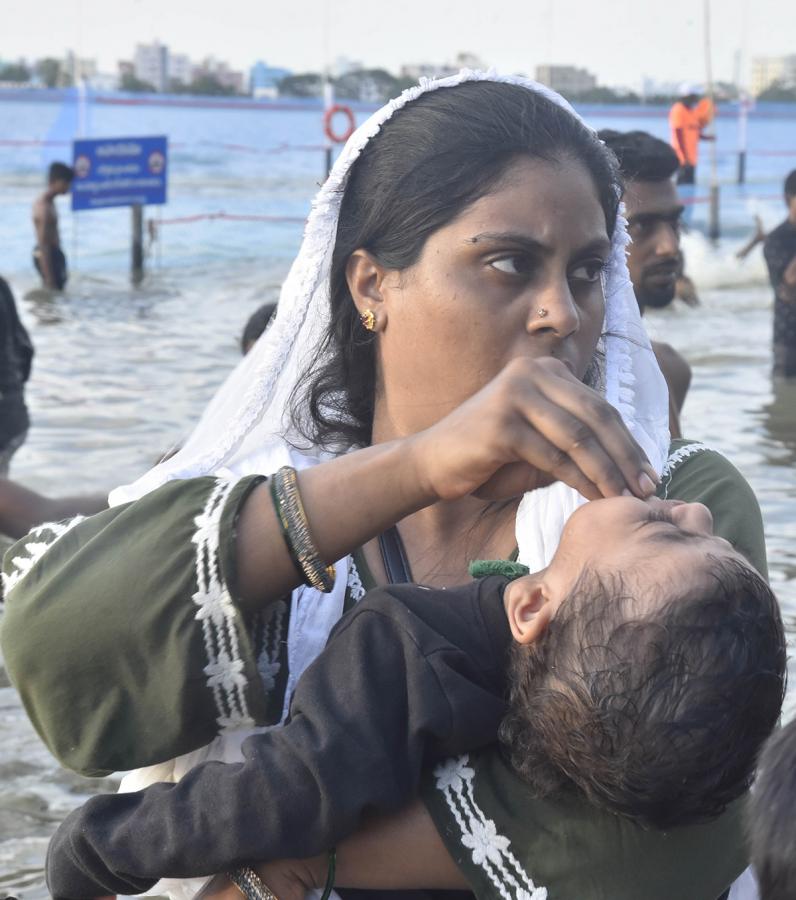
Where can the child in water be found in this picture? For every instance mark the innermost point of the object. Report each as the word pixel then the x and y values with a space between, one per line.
pixel 610 672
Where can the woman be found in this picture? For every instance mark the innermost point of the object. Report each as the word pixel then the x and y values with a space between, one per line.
pixel 462 274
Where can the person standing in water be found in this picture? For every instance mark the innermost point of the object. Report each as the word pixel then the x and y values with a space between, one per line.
pixel 654 260
pixel 687 120
pixel 48 257
pixel 16 355
pixel 779 250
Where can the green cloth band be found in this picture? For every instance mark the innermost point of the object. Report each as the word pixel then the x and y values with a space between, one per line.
pixel 480 568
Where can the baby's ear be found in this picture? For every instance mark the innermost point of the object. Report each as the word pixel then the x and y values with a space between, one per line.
pixel 529 607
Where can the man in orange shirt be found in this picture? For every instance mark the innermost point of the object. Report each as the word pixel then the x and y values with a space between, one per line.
pixel 687 119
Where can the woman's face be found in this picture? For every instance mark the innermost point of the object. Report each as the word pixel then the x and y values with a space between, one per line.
pixel 516 274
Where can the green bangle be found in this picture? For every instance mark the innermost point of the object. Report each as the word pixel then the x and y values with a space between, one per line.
pixel 283 524
pixel 296 531
pixel 329 886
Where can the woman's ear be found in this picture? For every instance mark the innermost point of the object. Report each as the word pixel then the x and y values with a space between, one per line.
pixel 529 608
pixel 365 277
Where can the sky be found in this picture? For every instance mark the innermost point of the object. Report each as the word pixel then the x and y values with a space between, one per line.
pixel 617 40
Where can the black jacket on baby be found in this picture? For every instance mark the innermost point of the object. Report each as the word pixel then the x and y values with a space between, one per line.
pixel 409 676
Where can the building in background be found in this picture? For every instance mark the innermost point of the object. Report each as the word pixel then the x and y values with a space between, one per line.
pixel 344 66
pixel 567 80
pixel 212 70
pixel 151 65
pixel 416 71
pixel 768 71
pixel 264 79
pixel 78 69
pixel 180 69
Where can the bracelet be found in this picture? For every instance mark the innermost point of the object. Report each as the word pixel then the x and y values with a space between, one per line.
pixel 329 886
pixel 280 515
pixel 249 883
pixel 296 532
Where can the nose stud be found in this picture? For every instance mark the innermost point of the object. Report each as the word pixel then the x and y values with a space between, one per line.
pixel 541 312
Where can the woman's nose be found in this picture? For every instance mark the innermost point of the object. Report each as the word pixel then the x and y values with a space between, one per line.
pixel 694 517
pixel 553 312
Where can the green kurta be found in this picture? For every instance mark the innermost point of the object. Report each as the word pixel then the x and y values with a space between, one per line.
pixel 512 845
pixel 124 638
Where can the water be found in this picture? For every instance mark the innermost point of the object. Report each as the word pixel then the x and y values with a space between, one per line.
pixel 120 373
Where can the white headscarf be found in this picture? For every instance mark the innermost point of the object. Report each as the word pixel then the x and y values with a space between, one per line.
pixel 244 429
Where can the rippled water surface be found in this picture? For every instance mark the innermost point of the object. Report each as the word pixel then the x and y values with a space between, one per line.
pixel 120 373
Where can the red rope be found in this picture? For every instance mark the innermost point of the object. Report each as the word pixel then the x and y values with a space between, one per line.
pixel 704 198
pixel 236 148
pixel 228 217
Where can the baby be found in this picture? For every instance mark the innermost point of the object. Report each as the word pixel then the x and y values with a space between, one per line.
pixel 611 672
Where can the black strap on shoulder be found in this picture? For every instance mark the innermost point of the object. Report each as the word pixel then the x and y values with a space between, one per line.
pixel 393 556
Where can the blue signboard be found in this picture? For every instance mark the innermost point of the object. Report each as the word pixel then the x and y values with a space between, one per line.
pixel 119 172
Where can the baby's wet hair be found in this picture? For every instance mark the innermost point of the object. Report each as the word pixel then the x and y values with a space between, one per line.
pixel 657 716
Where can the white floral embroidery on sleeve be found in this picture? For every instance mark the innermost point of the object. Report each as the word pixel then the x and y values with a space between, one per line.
pixel 489 849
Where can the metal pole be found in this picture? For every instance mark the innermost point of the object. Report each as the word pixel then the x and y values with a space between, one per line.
pixel 137 247
pixel 714 228
pixel 328 103
pixel 743 114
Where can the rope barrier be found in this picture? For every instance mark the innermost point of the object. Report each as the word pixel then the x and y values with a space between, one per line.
pixel 177 145
pixel 229 217
pixel 705 198
pixel 302 148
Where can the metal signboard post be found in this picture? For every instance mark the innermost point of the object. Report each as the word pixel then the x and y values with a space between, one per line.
pixel 122 172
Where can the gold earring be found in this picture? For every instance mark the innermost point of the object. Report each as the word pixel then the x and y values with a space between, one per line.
pixel 368 320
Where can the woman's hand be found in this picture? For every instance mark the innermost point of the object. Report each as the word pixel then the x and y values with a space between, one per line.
pixel 533 424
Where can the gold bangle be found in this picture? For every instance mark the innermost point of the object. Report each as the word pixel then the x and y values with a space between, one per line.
pixel 249 883
pixel 296 531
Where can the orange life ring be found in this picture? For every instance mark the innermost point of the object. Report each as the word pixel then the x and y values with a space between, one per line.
pixel 327 123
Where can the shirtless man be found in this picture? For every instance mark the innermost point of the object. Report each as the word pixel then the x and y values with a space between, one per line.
pixel 654 214
pixel 48 258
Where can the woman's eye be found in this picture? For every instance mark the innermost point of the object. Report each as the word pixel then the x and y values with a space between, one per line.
pixel 589 271
pixel 660 515
pixel 511 265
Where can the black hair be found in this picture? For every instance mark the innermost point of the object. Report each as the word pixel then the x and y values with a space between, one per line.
pixel 258 321
pixel 59 171
pixel 790 184
pixel 658 717
pixel 641 156
pixel 771 823
pixel 429 162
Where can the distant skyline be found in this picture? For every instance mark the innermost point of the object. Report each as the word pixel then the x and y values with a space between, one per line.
pixel 619 41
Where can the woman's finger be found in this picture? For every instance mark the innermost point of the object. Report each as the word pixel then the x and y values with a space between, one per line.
pixel 538 454
pixel 587 428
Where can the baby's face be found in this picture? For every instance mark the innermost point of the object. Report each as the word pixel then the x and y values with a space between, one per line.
pixel 652 544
